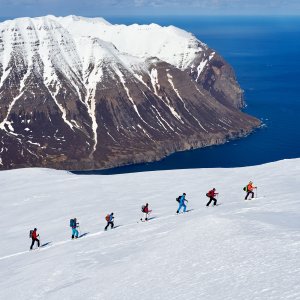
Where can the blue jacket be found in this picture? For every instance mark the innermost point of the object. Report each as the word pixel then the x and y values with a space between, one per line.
pixel 182 199
pixel 111 218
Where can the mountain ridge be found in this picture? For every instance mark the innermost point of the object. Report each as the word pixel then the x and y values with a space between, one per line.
pixel 115 94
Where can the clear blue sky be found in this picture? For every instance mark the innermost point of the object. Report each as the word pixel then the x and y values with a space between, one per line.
pixel 16 8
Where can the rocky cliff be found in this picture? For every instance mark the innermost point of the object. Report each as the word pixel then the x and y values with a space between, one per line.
pixel 79 93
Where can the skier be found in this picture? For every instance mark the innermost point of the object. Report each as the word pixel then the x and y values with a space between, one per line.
pixel 182 201
pixel 146 211
pixel 211 194
pixel 34 237
pixel 74 225
pixel 110 221
pixel 249 189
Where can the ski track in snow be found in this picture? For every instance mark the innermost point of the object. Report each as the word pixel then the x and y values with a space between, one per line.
pixel 90 235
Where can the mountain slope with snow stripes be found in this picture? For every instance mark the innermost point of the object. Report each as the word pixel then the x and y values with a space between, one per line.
pixel 116 94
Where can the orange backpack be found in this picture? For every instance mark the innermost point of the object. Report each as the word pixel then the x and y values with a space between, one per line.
pixel 107 218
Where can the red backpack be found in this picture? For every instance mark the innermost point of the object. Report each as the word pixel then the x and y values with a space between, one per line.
pixel 107 218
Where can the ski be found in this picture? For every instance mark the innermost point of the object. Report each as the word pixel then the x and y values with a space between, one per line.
pixel 254 198
pixel 183 212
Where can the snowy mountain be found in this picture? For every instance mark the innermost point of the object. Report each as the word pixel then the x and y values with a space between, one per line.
pixel 237 250
pixel 80 93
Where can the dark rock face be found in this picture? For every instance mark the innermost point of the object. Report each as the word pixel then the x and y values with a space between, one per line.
pixel 106 108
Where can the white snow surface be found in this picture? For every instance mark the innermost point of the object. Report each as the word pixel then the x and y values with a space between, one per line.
pixel 169 44
pixel 238 250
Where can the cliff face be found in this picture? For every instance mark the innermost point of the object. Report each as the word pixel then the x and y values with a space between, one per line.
pixel 79 93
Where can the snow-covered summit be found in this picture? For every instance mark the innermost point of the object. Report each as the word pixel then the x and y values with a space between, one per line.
pixel 72 19
pixel 169 44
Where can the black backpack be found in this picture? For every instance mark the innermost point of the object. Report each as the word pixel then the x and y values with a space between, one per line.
pixel 245 188
pixel 143 208
pixel 30 234
pixel 178 198
pixel 72 223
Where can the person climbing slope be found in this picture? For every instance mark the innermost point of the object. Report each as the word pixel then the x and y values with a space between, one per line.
pixel 34 238
pixel 74 225
pixel 146 211
pixel 249 189
pixel 181 200
pixel 110 221
pixel 211 195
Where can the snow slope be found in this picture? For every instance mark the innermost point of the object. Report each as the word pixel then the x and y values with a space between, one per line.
pixel 169 43
pixel 238 250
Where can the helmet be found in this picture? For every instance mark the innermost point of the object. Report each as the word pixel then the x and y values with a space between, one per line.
pixel 112 213
pixel 214 189
pixel 184 194
pixel 35 229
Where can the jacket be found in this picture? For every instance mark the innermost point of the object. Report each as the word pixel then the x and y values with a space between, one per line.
pixel 182 199
pixel 212 193
pixel 250 187
pixel 34 234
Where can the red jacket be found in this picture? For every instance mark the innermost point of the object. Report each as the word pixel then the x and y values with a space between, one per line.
pixel 146 209
pixel 212 193
pixel 34 235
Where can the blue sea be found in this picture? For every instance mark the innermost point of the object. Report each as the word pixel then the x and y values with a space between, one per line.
pixel 265 54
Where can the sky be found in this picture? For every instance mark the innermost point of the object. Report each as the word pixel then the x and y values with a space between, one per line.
pixel 31 8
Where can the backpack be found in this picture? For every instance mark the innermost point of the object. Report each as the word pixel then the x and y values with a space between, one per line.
pixel 143 208
pixel 30 233
pixel 72 223
pixel 178 198
pixel 245 188
pixel 207 195
pixel 107 218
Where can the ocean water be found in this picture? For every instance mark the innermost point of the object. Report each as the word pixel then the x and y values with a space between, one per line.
pixel 265 54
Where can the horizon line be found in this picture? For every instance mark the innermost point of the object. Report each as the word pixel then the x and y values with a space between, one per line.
pixel 155 15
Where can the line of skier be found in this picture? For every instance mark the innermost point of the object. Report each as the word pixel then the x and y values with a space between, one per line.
pixel 109 218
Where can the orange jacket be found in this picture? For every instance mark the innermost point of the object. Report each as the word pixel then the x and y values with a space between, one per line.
pixel 250 187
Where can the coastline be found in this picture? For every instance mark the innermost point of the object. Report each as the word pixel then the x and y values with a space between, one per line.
pixel 192 143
